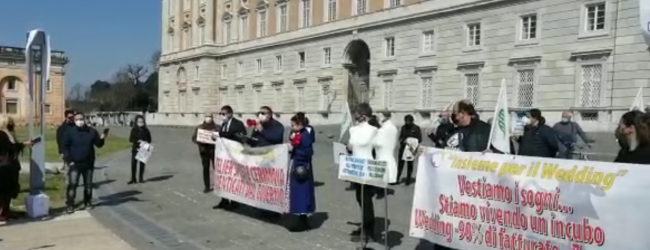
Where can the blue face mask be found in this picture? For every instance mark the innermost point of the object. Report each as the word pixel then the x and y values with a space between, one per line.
pixel 566 120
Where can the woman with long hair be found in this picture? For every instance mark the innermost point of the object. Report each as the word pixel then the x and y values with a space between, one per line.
pixel 634 129
pixel 301 180
pixel 139 135
pixel 10 150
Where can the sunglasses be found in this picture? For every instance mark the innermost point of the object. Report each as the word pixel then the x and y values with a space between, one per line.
pixel 262 113
pixel 222 114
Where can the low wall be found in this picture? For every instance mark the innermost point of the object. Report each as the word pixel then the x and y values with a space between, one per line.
pixel 608 119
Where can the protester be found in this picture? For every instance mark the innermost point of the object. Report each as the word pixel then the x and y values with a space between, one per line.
pixel 633 126
pixel 139 135
pixel 268 131
pixel 470 134
pixel 231 129
pixel 538 140
pixel 443 131
pixel 301 180
pixel 410 137
pixel 512 143
pixel 362 136
pixel 10 151
pixel 79 154
pixel 385 145
pixel 206 150
pixel 309 128
pixel 67 123
pixel 567 132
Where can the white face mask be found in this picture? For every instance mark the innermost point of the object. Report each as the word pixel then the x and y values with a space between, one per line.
pixel 208 120
pixel 140 124
pixel 262 117
pixel 79 123
pixel 224 118
pixel 525 120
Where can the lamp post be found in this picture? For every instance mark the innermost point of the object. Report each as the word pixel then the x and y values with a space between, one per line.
pixel 37 59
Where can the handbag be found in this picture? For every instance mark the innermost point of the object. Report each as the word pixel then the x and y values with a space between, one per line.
pixel 300 172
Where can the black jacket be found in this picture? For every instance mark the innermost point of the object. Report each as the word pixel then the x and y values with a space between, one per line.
pixel 538 141
pixel 79 146
pixel 203 147
pixel 440 137
pixel 477 137
pixel 641 155
pixel 271 134
pixel 408 131
pixel 60 134
pixel 236 131
pixel 139 134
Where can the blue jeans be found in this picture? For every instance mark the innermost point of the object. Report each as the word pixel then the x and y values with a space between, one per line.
pixel 75 173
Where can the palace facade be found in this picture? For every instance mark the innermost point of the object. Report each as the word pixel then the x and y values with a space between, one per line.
pixel 15 96
pixel 402 56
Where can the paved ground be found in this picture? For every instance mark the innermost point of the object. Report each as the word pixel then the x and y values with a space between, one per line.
pixel 70 232
pixel 173 212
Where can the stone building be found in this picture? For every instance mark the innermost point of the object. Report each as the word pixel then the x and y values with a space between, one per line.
pixel 14 95
pixel 403 56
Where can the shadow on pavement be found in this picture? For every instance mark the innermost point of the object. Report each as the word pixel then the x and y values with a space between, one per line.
pixel 119 198
pixel 424 245
pixel 317 219
pixel 42 247
pixel 319 183
pixel 98 184
pixel 160 178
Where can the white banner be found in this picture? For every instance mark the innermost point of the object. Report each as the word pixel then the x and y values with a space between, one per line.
pixel 346 120
pixel 253 176
pixel 206 136
pixel 144 152
pixel 489 201
pixel 364 171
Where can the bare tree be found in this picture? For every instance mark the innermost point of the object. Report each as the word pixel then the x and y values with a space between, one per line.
pixel 155 59
pixel 136 73
pixel 76 92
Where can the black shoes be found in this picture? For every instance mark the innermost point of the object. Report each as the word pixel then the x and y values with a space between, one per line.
pixel 300 224
pixel 69 209
pixel 131 182
pixel 207 190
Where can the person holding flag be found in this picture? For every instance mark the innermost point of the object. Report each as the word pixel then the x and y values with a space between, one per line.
pixel 500 129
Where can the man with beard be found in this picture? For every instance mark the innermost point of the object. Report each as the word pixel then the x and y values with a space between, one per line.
pixel 67 123
pixel 470 134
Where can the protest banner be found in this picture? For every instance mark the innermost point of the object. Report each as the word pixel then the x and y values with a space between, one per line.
pixel 205 136
pixel 338 149
pixel 256 177
pixel 364 171
pixel 144 152
pixel 493 201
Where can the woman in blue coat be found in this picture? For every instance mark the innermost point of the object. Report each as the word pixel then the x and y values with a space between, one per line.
pixel 302 201
pixel 309 128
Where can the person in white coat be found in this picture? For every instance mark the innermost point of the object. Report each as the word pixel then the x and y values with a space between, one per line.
pixel 385 145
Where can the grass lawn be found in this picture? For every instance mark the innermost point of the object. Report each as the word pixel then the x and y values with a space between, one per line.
pixel 113 144
pixel 55 186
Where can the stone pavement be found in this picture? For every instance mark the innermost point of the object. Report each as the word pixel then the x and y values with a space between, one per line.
pixel 173 213
pixel 78 231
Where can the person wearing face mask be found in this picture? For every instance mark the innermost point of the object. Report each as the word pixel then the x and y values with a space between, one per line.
pixel 139 134
pixel 268 131
pixel 231 129
pixel 568 132
pixel 301 178
pixel 206 151
pixel 10 151
pixel 634 127
pixel 470 133
pixel 538 140
pixel 309 128
pixel 79 153
pixel 443 131
pixel 410 138
pixel 67 123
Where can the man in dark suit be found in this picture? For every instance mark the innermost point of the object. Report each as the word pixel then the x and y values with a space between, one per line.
pixel 231 129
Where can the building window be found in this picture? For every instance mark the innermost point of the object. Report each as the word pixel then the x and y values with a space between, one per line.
pixel 394 3
pixel 595 17
pixel 388 94
pixel 332 8
pixel 327 56
pixel 528 27
pixel 240 69
pixel 196 100
pixel 261 23
pixel 277 100
pixel 279 64
pixel 591 85
pixel 283 21
pixel 227 32
pixel 224 71
pixel 473 35
pixel 525 88
pixel 472 91
pixel 259 67
pixel 301 60
pixel 186 39
pixel 223 98
pixel 305 13
pixel 243 28
pixel 201 34
pixel 48 86
pixel 11 84
pixel 325 96
pixel 300 98
pixel 426 99
pixel 239 95
pixel 11 106
pixel 428 42
pixel 389 47
pixel 47 109
pixel 257 92
pixel 359 7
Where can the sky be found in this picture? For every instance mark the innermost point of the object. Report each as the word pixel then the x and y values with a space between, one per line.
pixel 99 36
